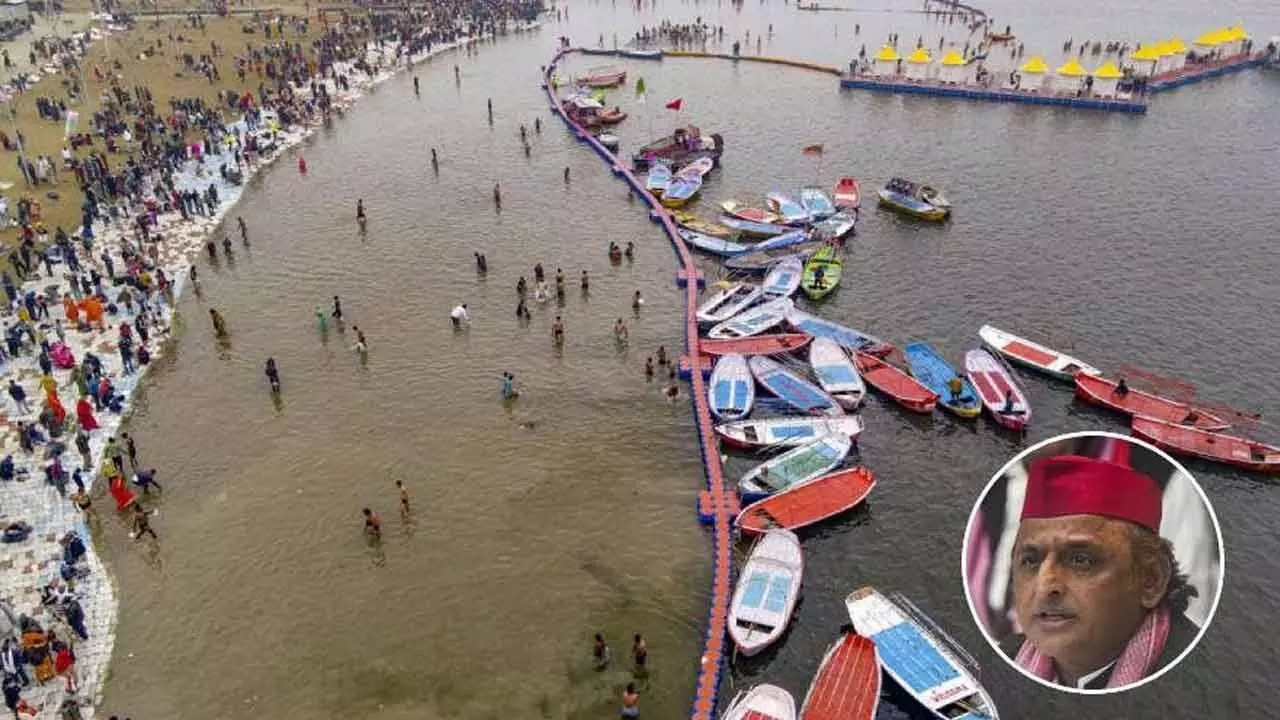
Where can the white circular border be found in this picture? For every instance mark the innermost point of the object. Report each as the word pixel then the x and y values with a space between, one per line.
pixel 1213 607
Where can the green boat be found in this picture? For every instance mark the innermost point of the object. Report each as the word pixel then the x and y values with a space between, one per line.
pixel 827 258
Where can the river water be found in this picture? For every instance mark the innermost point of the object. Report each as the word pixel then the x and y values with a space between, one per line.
pixel 1139 240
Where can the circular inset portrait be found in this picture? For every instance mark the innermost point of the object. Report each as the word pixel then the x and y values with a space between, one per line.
pixel 1093 562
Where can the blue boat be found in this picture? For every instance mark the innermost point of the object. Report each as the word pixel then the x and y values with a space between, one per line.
pixel 935 373
pixel 730 390
pixel 641 54
pixel 711 244
pixel 793 389
pixel 784 278
pixel 750 227
pixel 787 208
pixel 658 179
pixel 816 202
pixel 785 240
pixel 681 190
pixel 794 466
pixel 759 262
pixel 845 337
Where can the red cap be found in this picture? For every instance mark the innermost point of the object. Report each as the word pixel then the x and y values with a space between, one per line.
pixel 1078 485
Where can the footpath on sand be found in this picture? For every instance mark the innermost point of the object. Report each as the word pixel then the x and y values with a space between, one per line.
pixel 46 561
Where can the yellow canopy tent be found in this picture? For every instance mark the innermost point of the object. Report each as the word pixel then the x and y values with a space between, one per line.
pixel 1213 38
pixel 1108 71
pixel 1072 68
pixel 1177 47
pixel 953 58
pixel 887 54
pixel 1035 66
pixel 1146 52
pixel 919 56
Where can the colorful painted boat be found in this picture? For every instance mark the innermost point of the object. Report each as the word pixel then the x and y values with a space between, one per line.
pixel 919 657
pixel 847 194
pixel 819 285
pixel 770 344
pixel 816 203
pixel 788 209
pixel 762 702
pixel 836 372
pixel 1034 356
pixel 904 196
pixel 767 591
pixel 784 241
pixel 686 219
pixel 754 321
pixel 999 392
pixel 1207 445
pixel 728 301
pixel 724 247
pixel 934 372
pixel 787 432
pixel 904 389
pixel 791 388
pixel 809 502
pixel 612 116
pixel 603 77
pixel 847 686
pixel 836 227
pixel 783 279
pixel 699 167
pixel 735 209
pixel 682 146
pixel 846 337
pixel 758 261
pixel 752 228
pixel 730 391
pixel 681 190
pixel 658 178
pixel 795 466
pixel 1103 391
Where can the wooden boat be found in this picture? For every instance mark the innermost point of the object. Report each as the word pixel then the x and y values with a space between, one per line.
pixel 784 241
pixel 1000 37
pixel 1034 356
pixel 583 110
pixel 787 208
pixel 723 247
pixel 845 337
pixel 795 466
pixel 681 190
pixel 609 141
pixel 612 116
pixel 1103 391
pixel 904 197
pixel 596 51
pixel 836 372
pixel 762 702
pixel 836 227
pixel 847 686
pixel 919 657
pixel 1207 445
pixel 733 208
pixel 767 590
pixel 752 228
pixel 791 388
pixel 809 502
pixel 682 146
pixel 787 432
pixel 699 167
pixel 641 54
pixel 603 77
pixel 816 203
pixel 996 388
pixel 828 261
pixel 847 194
pixel 753 321
pixel 727 302
pixel 658 178
pixel 904 389
pixel 686 219
pixel 783 279
pixel 758 261
pixel 934 372
pixel 771 344
pixel 731 391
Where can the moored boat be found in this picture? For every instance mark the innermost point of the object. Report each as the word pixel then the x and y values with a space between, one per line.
pixel 603 77
pixel 753 228
pixel 816 203
pixel 681 190
pixel 699 167
pixel 686 219
pixel 847 685
pixel 641 54
pixel 934 372
pixel 1208 445
pixel 612 116
pixel 682 146
pixel 767 590
pixel 727 302
pixel 769 344
pixel 809 502
pixel 1103 391
pixel 846 337
pixel 904 389
pixel 788 209
pixel 785 240
pixel 724 247
pixel 783 279
pixel 757 261
pixel 762 702
pixel 730 390
pixel 787 432
pixel 999 392
pixel 822 272
pixel 836 372
pixel 658 178
pixel 795 466
pixel 733 208
pixel 836 227
pixel 791 388
pixel 753 321
pixel 1034 356
pixel 847 194
pixel 905 197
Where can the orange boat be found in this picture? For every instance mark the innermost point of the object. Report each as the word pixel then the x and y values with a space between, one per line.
pixel 755 344
pixel 904 389
pixel 1229 449
pixel 809 502
pixel 1102 391
pixel 847 686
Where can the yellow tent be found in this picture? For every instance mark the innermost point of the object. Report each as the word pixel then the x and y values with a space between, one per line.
pixel 953 58
pixel 1035 66
pixel 1177 47
pixel 1146 52
pixel 1164 47
pixel 1071 68
pixel 887 54
pixel 1237 33
pixel 1108 71
pixel 1212 38
pixel 919 56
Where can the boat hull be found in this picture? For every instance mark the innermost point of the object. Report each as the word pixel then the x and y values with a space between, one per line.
pixel 847 194
pixel 898 385
pixel 832 267
pixel 791 388
pixel 731 390
pixel 847 684
pixel 1034 356
pixel 809 502
pixel 786 432
pixel 1208 445
pixel 934 372
pixel 769 702
pixel 767 590
pixel 756 345
pixel 993 383
pixel 1101 391
pixel 918 210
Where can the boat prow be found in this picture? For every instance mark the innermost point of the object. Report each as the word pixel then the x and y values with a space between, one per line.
pixel 898 385
pixel 809 502
pixel 1001 395
pixel 1034 356
pixel 767 591
pixel 847 684
pixel 762 702
pixel 1103 391
pixel 1208 445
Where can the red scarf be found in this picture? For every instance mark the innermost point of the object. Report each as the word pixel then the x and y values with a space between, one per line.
pixel 1136 661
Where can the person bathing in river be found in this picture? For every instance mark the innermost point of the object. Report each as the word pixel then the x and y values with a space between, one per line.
pixel 337 309
pixel 459 316
pixel 557 331
pixel 537 273
pixel 219 324
pixel 637 301
pixel 540 293
pixel 522 287
pixel 586 282
pixel 372 524
pixel 620 331
pixel 273 374
pixel 226 245
pixel 212 248
pixel 482 265
pixel 648 368
pixel 630 252
pixel 509 386
pixel 360 217
pixel 361 345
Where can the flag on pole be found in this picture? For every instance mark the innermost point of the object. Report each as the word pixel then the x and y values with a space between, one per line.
pixel 813 150
pixel 675 104
pixel 640 91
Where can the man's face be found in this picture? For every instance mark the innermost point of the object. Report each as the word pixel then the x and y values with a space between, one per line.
pixel 1077 592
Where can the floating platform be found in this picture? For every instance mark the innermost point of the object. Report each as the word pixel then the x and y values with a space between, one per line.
pixel 967 92
pixel 1189 75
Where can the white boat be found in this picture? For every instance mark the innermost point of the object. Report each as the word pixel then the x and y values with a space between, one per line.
pixel 728 301
pixel 787 432
pixel 767 591
pixel 731 391
pixel 795 466
pixel 1033 355
pixel 836 372
pixel 783 279
pixel 698 168
pixel 762 702
pixel 917 655
pixel 753 321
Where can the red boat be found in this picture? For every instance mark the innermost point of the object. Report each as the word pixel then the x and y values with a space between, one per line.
pixel 1229 449
pixel 611 116
pixel 755 345
pixel 1102 391
pixel 847 686
pixel 904 389
pixel 809 502
pixel 603 77
pixel 846 194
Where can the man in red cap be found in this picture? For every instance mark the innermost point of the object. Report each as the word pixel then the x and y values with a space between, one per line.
pixel 1096 590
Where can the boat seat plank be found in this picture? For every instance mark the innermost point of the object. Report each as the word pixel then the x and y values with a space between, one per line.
pixel 757 584
pixel 836 373
pixel 913 657
pixel 1026 352
pixel 779 591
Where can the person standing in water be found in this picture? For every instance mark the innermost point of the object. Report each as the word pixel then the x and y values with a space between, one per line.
pixel 620 331
pixel 557 331
pixel 630 252
pixel 337 309
pixel 403 492
pixel 212 248
pixel 372 524
pixel 226 245
pixel 219 324
pixel 360 217
pixel 273 374
pixel 361 345
pixel 322 321
pixel 640 655
pixel 586 282
pixel 416 90
pixel 142 523
pixel 509 386
pixel 244 230
pixel 636 302
pixel 600 654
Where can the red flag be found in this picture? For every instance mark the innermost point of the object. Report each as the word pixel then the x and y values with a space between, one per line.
pixel 675 104
pixel 813 150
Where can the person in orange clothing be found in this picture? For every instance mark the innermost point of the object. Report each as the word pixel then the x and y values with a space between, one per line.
pixel 121 493
pixel 49 386
pixel 59 412
pixel 84 413
pixel 92 307
pixel 72 310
